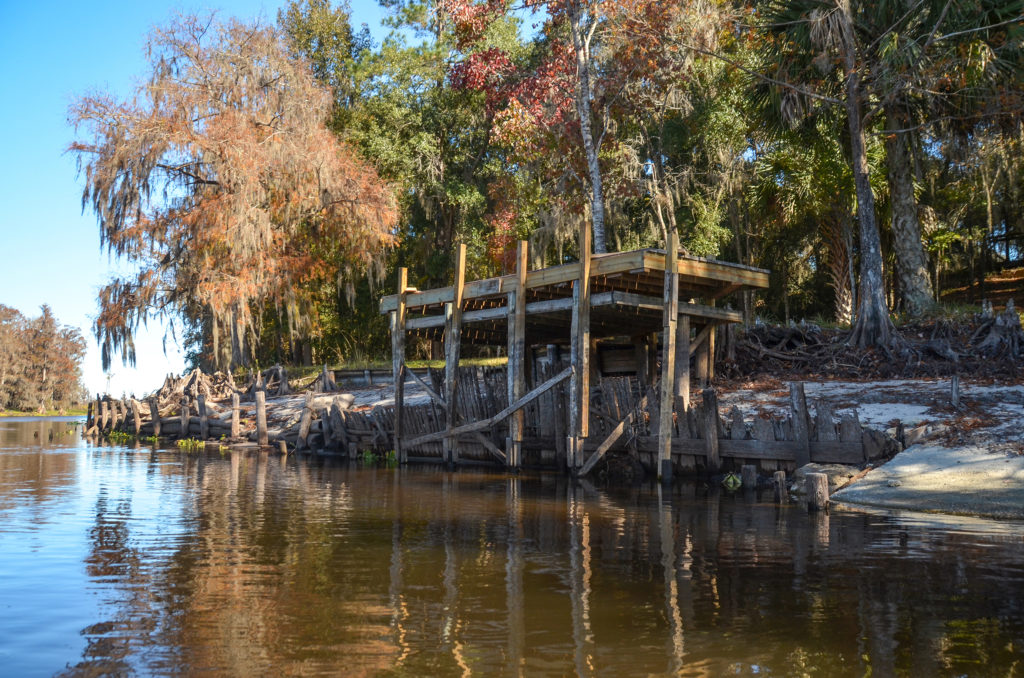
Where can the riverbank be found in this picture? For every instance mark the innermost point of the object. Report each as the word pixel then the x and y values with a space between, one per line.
pixel 964 480
pixel 69 412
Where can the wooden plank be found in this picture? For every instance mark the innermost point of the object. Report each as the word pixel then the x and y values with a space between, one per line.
pixel 801 428
pixel 712 447
pixel 516 373
pixel 490 447
pixel 780 450
pixel 615 434
pixel 426 387
pixel 670 319
pixel 490 421
pixel 824 427
pixel 398 358
pixel 452 344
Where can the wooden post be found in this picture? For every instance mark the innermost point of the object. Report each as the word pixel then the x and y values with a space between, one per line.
pixel 452 344
pixel 640 361
pixel 954 392
pixel 779 481
pixel 710 403
pixel 88 416
pixel 579 390
pixel 154 414
pixel 817 491
pixel 652 357
pixel 701 360
pixel 801 428
pixel 184 418
pixel 305 421
pixel 748 476
pixel 262 438
pixel 236 427
pixel 398 360
pixel 670 319
pixel 204 422
pixel 368 376
pixel 136 416
pixel 682 377
pixel 516 376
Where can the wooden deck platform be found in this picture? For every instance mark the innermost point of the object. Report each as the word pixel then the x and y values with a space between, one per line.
pixel 661 301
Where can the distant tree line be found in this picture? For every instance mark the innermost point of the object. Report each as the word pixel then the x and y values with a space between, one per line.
pixel 270 180
pixel 40 362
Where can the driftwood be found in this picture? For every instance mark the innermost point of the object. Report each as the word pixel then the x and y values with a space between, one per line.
pixel 1000 335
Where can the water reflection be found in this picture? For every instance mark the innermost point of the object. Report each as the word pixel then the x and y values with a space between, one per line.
pixel 241 564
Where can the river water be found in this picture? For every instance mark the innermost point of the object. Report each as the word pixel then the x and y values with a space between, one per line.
pixel 128 560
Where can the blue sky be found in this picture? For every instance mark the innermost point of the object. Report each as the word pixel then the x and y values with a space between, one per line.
pixel 49 250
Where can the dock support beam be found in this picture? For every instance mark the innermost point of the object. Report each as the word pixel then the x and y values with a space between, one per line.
pixel 579 391
pixel 668 356
pixel 398 360
pixel 516 377
pixel 683 364
pixel 452 344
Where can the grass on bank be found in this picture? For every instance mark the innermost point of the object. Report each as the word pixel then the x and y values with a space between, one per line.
pixel 79 411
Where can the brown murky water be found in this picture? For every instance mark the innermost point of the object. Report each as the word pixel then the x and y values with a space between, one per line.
pixel 122 560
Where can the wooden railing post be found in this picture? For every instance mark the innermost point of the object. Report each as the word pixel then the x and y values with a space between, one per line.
pixel 235 422
pixel 398 360
pixel 670 318
pixel 262 437
pixel 516 374
pixel 579 392
pixel 452 344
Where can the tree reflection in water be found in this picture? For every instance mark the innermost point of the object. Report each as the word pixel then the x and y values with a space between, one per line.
pixel 242 564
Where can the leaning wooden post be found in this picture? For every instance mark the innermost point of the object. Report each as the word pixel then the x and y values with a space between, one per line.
pixel 683 364
pixel 204 422
pixel 88 416
pixel 516 377
pixel 136 416
pixel 579 356
pixel 817 491
pixel 154 414
pixel 236 424
pixel 184 418
pixel 710 407
pixel 801 427
pixel 262 438
pixel 670 319
pixel 452 344
pixel 398 359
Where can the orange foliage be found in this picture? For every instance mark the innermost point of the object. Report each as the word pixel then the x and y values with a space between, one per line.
pixel 219 181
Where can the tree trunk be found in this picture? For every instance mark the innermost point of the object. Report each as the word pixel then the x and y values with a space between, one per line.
pixel 581 45
pixel 873 327
pixel 911 259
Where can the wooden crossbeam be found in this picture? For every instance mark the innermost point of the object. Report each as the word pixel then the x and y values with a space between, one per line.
pixel 616 433
pixel 490 421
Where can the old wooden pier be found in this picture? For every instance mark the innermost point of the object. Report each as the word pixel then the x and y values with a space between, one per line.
pixel 601 357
